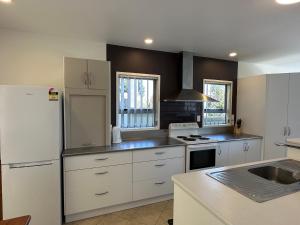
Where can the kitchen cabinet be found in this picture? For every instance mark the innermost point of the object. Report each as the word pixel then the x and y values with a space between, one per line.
pixel 95 188
pixel 222 154
pixel 87 118
pixel 294 107
pixel 244 151
pixel 153 170
pixel 237 153
pixel 98 181
pixel 269 106
pixel 276 115
pixel 86 73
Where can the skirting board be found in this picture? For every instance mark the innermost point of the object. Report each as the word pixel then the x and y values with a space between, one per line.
pixel 99 212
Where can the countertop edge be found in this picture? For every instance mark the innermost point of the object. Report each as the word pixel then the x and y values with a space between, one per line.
pixel 119 150
pixel 108 149
pixel 176 180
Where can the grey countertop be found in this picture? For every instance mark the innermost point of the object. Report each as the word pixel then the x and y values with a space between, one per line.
pixel 150 144
pixel 125 146
pixel 232 137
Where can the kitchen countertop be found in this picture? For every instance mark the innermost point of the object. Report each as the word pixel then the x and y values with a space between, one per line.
pixel 233 208
pixel 150 144
pixel 125 146
pixel 232 137
pixel 293 142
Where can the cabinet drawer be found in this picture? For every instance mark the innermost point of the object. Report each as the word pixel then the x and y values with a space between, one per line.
pixel 98 160
pixel 152 188
pixel 96 188
pixel 158 169
pixel 158 153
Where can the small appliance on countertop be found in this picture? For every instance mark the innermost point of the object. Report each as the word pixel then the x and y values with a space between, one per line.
pixel 116 134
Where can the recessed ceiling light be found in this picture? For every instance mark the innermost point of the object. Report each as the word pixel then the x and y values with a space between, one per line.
pixel 148 41
pixel 6 1
pixel 287 2
pixel 232 54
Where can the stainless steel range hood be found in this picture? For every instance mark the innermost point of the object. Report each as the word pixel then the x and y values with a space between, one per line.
pixel 188 93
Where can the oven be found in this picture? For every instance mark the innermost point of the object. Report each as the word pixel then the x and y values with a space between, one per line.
pixel 200 156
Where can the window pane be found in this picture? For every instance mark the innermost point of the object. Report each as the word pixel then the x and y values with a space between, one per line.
pixel 136 102
pixel 216 113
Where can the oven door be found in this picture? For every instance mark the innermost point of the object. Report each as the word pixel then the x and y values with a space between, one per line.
pixel 199 157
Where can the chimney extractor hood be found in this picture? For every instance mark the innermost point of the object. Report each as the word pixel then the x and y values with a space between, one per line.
pixel 187 93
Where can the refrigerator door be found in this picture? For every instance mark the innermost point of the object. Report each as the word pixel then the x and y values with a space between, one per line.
pixel 32 189
pixel 30 124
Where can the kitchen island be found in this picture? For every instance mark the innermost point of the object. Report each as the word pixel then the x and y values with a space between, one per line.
pixel 202 200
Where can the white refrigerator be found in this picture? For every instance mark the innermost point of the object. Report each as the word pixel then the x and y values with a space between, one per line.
pixel 31 143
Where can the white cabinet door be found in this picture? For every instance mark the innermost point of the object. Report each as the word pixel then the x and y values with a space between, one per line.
pixel 87 118
pixel 99 74
pixel 97 188
pixel 253 153
pixel 294 106
pixel 76 75
pixel 222 154
pixel 276 115
pixel 237 153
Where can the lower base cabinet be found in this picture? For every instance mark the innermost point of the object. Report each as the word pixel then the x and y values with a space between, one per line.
pixel 117 178
pixel 152 188
pixel 90 189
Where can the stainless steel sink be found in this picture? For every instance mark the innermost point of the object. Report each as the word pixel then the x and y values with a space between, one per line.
pixel 262 182
pixel 275 174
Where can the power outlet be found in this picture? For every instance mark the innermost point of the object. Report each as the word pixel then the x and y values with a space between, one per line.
pixel 199 118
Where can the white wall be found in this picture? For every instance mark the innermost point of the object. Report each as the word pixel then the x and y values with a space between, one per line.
pixel 33 59
pixel 246 69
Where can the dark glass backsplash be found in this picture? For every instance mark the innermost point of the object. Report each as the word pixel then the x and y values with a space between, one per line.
pixel 179 112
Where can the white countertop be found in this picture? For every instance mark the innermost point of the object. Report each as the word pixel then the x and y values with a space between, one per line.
pixel 293 142
pixel 233 208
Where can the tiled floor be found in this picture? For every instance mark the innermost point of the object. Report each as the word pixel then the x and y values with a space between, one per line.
pixel 154 214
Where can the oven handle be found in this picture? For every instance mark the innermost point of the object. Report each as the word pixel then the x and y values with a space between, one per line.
pixel 201 146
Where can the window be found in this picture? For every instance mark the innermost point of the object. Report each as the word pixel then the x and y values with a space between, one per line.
pixel 217 113
pixel 137 101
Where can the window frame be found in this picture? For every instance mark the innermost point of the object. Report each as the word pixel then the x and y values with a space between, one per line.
pixel 156 104
pixel 228 103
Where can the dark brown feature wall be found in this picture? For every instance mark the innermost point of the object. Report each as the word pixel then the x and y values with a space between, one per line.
pixel 168 65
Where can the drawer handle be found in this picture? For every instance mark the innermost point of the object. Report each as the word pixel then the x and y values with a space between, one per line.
pixel 102 159
pixel 159 153
pixel 160 183
pixel 102 173
pixel 160 165
pixel 101 194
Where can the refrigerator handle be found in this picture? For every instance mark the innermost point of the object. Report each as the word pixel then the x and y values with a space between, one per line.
pixel 24 165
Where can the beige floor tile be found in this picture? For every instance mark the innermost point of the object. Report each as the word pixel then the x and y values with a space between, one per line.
pixel 153 214
pixel 127 214
pixel 91 221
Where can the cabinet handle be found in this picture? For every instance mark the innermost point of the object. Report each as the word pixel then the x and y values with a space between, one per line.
pixel 86 77
pixel 160 183
pixel 102 159
pixel 101 194
pixel 159 153
pixel 90 79
pixel 160 165
pixel 102 173
pixel 284 131
pixel 289 131
pixel 220 151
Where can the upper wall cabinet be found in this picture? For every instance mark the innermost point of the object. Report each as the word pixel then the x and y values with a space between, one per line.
pixel 87 103
pixel 87 74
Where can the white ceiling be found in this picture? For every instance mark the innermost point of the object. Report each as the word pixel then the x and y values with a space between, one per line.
pixel 259 30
